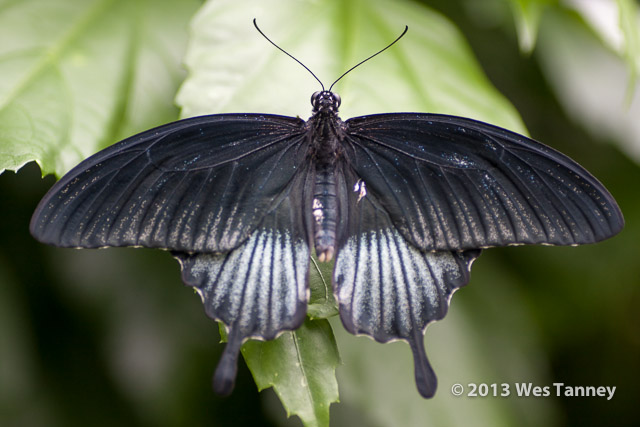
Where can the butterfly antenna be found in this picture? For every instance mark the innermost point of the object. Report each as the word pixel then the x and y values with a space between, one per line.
pixel 406 28
pixel 255 24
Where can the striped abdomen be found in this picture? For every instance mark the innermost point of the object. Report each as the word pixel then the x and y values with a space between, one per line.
pixel 325 211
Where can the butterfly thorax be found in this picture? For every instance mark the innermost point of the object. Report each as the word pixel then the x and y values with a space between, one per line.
pixel 325 133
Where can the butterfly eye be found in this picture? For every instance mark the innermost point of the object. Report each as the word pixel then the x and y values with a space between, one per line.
pixel 315 100
pixel 337 99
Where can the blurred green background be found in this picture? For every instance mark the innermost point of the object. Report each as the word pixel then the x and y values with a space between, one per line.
pixel 111 336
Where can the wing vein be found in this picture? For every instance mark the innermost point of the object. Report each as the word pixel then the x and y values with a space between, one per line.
pixel 100 193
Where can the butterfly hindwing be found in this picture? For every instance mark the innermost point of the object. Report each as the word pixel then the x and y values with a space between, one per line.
pixel 201 184
pixel 451 183
pixel 386 287
pixel 258 289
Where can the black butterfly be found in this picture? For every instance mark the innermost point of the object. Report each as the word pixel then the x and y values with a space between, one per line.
pixel 404 202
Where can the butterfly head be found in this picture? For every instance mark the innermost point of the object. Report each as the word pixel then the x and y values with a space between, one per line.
pixel 325 102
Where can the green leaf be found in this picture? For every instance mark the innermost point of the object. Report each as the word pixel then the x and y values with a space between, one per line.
pixel 233 69
pixel 629 19
pixel 77 75
pixel 617 24
pixel 300 366
pixel 322 303
pixel 589 80
pixel 527 14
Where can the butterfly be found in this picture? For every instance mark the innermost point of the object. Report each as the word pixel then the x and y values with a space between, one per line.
pixel 403 202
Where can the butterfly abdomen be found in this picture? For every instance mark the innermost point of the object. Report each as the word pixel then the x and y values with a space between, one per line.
pixel 325 211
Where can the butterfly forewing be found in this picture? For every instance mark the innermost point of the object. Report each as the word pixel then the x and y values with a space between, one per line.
pixel 201 184
pixel 450 183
